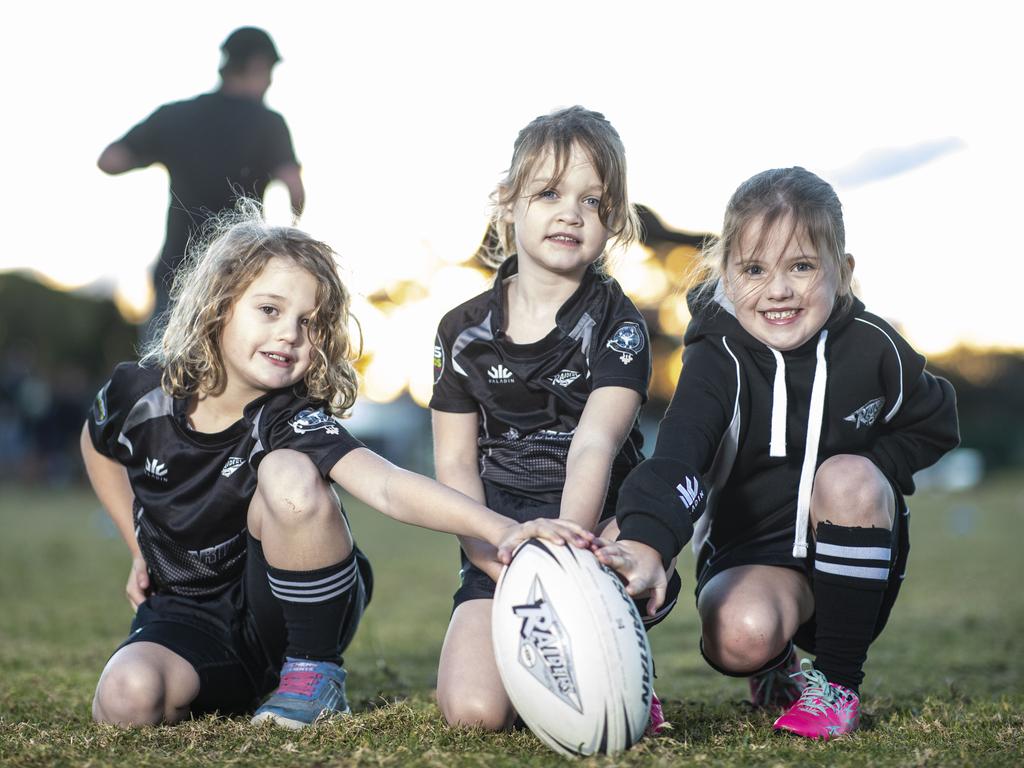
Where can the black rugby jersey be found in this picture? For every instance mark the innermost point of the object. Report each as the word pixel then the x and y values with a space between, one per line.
pixel 192 489
pixel 530 396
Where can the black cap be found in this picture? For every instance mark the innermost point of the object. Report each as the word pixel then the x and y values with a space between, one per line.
pixel 246 42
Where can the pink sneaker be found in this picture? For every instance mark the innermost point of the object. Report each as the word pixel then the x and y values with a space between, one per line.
pixel 823 710
pixel 657 723
pixel 778 688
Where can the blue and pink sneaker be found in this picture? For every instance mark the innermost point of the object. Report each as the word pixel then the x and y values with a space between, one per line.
pixel 308 691
pixel 823 711
pixel 778 688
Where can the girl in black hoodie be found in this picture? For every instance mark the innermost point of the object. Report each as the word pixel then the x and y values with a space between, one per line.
pixel 786 453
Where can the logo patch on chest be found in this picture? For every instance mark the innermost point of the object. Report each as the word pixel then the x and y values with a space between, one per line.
pixel 565 377
pixel 499 374
pixel 156 469
pixel 231 466
pixel 865 415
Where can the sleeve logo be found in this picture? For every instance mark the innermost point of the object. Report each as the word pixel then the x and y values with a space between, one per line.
pixel 309 420
pixel 690 493
pixel 99 406
pixel 438 359
pixel 628 339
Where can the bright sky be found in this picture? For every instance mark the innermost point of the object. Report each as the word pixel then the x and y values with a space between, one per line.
pixel 404 113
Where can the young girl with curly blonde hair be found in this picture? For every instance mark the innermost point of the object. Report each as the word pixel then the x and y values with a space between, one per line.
pixel 214 456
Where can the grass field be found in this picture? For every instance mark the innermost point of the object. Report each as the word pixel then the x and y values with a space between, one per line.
pixel 945 682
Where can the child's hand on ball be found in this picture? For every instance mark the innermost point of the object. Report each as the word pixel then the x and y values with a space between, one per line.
pixel 640 567
pixel 554 530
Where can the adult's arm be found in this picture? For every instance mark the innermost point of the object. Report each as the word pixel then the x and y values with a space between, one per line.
pixel 290 175
pixel 119 158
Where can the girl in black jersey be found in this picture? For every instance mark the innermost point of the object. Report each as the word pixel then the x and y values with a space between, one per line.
pixel 214 457
pixel 791 441
pixel 538 382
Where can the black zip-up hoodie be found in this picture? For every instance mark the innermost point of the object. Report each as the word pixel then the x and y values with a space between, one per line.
pixel 748 426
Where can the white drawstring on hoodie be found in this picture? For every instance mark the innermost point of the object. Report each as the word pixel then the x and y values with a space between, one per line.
pixel 815 417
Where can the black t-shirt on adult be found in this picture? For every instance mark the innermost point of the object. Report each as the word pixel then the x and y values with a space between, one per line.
pixel 192 489
pixel 530 397
pixel 216 148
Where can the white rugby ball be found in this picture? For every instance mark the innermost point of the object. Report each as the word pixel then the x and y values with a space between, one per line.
pixel 571 650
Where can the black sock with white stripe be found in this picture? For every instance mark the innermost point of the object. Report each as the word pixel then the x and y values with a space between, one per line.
pixel 851 572
pixel 316 606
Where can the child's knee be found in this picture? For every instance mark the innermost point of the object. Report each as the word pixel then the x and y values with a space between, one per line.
pixel 291 488
pixel 475 710
pixel 739 639
pixel 852 491
pixel 130 693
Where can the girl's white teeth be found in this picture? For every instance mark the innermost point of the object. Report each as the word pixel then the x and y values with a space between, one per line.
pixel 783 315
pixel 282 358
pixel 564 239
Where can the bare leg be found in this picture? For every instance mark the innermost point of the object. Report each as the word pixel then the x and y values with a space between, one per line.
pixel 469 688
pixel 145 684
pixel 853 492
pixel 313 577
pixel 852 508
pixel 750 613
pixel 296 514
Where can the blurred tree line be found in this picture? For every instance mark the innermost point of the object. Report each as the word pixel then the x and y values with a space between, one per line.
pixel 59 348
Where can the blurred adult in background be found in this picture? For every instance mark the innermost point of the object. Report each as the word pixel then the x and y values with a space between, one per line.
pixel 216 147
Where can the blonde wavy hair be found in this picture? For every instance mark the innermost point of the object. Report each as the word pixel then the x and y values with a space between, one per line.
pixel 559 133
pixel 234 250
pixel 811 205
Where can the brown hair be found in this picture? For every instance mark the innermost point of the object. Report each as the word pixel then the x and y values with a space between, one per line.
pixel 236 248
pixel 559 133
pixel 772 196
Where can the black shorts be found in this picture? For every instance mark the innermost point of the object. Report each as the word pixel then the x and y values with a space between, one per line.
pixel 776 548
pixel 235 641
pixel 477 585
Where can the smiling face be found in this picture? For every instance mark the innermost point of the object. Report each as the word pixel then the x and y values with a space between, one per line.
pixel 265 341
pixel 782 289
pixel 557 223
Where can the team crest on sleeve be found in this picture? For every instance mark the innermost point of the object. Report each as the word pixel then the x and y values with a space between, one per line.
pixel 628 340
pixel 865 415
pixel 438 359
pixel 99 405
pixel 309 420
